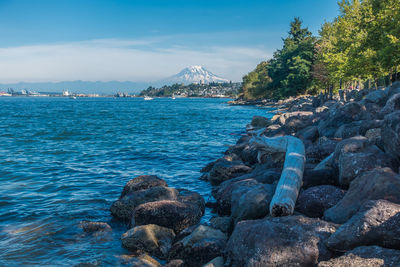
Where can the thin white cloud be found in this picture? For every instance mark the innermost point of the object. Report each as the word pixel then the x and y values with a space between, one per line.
pixel 121 60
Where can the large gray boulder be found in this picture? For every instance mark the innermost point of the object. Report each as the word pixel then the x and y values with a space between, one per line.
pixel 313 201
pixel 391 134
pixel 253 204
pixel 372 185
pixel 201 246
pixel 377 97
pixel 336 117
pixel 368 256
pixel 353 164
pixel 262 173
pixel 223 193
pixel 279 241
pixel 392 105
pixel 173 214
pixel 124 207
pixel 376 223
pixel 260 122
pixel 151 238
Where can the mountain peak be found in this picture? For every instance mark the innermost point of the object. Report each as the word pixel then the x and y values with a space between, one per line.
pixel 195 74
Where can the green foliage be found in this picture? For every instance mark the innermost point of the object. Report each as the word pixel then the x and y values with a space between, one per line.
pixel 288 73
pixel 255 83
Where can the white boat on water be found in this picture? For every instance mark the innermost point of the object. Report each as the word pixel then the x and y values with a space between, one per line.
pixel 173 97
pixel 148 98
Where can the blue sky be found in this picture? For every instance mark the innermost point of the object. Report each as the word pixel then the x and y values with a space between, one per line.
pixel 91 40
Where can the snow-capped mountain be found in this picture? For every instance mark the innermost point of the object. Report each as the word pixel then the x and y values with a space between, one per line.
pixel 194 74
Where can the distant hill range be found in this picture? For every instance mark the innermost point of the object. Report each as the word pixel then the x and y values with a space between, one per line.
pixel 189 75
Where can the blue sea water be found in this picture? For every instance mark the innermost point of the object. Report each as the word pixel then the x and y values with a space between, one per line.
pixel 64 160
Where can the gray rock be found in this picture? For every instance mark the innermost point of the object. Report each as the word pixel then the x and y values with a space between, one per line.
pixel 369 256
pixel 224 170
pixel 353 164
pixel 200 247
pixel 279 241
pixel 175 215
pixel 124 207
pixel 378 97
pixel 223 193
pixel 376 223
pixel 92 227
pixel 221 223
pixel 142 182
pixel 260 122
pixel 391 134
pixel 318 177
pixel 309 133
pixel 252 204
pixel 392 105
pixel 313 201
pixel 338 116
pixel 263 174
pixel 151 238
pixel 372 185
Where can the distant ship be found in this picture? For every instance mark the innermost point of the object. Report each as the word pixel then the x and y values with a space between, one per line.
pixel 148 98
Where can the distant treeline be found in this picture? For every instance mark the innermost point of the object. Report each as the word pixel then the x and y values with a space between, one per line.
pixel 193 90
pixel 359 48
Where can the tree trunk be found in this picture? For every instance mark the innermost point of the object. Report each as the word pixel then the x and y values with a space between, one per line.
pixel 287 190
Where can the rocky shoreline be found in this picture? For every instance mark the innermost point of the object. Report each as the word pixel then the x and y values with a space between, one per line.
pixel 347 212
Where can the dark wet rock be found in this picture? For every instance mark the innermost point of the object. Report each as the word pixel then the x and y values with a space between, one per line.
pixel 216 262
pixel 124 207
pixel 193 198
pixel 168 213
pixel 357 128
pixel 249 156
pixel 92 227
pixel 150 238
pixel 260 122
pixel 142 182
pixel 221 223
pixel 224 170
pixel 376 223
pixel 348 113
pixel 200 247
pixel 372 185
pixel 353 164
pixel 313 201
pixel 296 123
pixel 252 204
pixel 391 134
pixel 279 241
pixel 309 133
pixel 321 149
pixel 378 97
pixel 175 263
pixel 223 193
pixel 367 256
pixel 262 173
pixel 208 167
pixel 318 177
pixel 392 105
